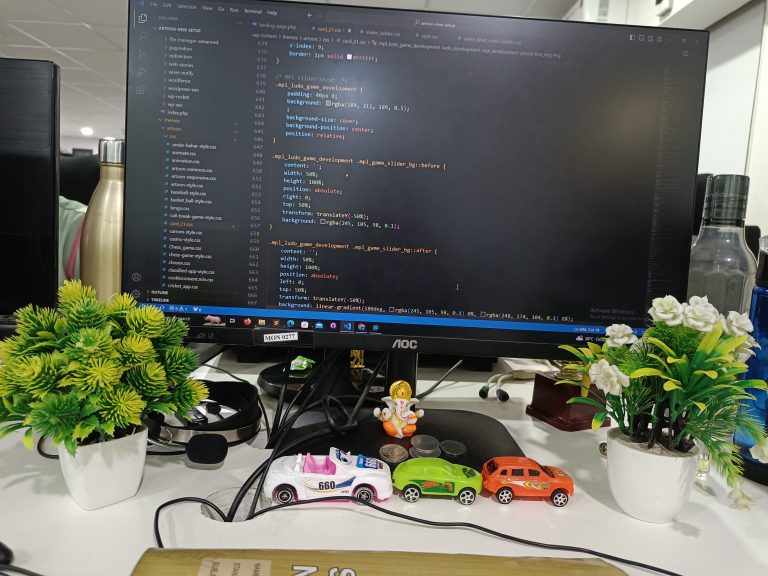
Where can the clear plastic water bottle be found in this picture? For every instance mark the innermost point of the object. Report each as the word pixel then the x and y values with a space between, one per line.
pixel 722 267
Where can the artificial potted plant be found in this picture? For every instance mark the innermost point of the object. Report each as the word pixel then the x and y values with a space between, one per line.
pixel 86 375
pixel 673 388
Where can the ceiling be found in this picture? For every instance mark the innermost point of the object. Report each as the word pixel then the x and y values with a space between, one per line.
pixel 87 39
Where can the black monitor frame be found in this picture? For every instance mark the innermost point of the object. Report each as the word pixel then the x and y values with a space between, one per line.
pixel 525 343
pixel 29 167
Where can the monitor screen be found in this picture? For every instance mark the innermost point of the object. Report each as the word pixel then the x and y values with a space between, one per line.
pixel 389 179
pixel 29 168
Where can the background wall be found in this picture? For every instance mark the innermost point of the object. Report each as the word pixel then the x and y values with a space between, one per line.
pixel 734 58
pixel 757 160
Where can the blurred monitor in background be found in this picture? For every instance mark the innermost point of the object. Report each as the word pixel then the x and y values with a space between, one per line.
pixel 29 139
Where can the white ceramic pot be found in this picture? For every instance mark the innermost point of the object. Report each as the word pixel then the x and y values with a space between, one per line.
pixel 650 485
pixel 107 472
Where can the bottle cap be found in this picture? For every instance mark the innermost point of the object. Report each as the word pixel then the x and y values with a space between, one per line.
pixel 726 198
pixel 111 151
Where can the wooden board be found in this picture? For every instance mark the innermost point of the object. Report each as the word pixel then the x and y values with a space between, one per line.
pixel 356 563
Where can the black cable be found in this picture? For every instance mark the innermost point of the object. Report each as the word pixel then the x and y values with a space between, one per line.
pixel 43 453
pixel 258 396
pixel 477 527
pixel 260 473
pixel 321 367
pixel 237 500
pixel 371 379
pixel 166 452
pixel 278 434
pixel 283 388
pixel 345 428
pixel 160 508
pixel 278 450
pixel 351 422
pixel 286 426
pixel 18 570
pixel 440 380
pixel 289 419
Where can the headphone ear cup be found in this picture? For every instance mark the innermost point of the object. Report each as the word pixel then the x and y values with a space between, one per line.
pixel 501 395
pixel 484 391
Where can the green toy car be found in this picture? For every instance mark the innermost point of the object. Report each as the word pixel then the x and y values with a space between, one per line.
pixel 436 476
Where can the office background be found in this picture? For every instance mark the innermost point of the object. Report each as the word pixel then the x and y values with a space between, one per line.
pixel 87 39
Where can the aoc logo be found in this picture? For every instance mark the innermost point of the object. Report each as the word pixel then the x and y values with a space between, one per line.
pixel 404 344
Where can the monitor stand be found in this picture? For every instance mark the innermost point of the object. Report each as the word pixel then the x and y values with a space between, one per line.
pixel 340 379
pixel 348 381
pixel 206 351
pixel 484 437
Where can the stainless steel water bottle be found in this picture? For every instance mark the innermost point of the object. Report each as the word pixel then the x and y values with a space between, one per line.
pixel 101 243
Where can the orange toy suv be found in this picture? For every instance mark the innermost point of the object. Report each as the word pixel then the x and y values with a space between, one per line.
pixel 511 477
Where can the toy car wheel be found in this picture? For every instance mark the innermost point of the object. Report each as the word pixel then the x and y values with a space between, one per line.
pixel 505 496
pixel 411 493
pixel 559 498
pixel 364 493
pixel 466 496
pixel 285 494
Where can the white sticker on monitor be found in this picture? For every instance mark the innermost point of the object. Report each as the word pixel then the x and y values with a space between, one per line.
pixel 282 337
pixel 234 567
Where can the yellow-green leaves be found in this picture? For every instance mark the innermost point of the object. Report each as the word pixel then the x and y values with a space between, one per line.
pixel 147 321
pixel 708 343
pixel 670 385
pixel 88 370
pixel 728 345
pixel 583 354
pixel 594 348
pixel 645 372
pixel 29 439
pixel 659 344
pixel 74 291
pixel 759 384
pixel 598 419
pixel 683 380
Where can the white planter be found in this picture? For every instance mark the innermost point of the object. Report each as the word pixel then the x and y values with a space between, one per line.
pixel 105 473
pixel 650 485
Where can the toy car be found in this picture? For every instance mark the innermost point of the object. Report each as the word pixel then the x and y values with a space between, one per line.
pixel 307 476
pixel 510 477
pixel 438 477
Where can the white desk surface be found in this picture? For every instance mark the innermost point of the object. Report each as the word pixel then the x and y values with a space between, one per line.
pixel 51 534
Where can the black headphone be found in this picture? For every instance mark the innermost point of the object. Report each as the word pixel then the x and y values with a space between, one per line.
pixel 229 416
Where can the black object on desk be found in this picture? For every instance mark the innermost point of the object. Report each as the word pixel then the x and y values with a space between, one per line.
pixel 484 437
pixel 6 554
pixel 29 142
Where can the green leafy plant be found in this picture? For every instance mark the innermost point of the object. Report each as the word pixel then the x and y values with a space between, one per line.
pixel 677 384
pixel 89 371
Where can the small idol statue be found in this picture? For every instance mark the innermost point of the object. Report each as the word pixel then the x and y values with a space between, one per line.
pixel 398 417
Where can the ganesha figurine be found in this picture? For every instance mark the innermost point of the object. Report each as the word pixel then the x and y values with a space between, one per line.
pixel 398 417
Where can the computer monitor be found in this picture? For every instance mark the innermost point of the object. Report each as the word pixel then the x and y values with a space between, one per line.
pixel 29 168
pixel 363 178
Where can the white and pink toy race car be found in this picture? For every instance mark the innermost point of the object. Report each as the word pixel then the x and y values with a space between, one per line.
pixel 305 476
